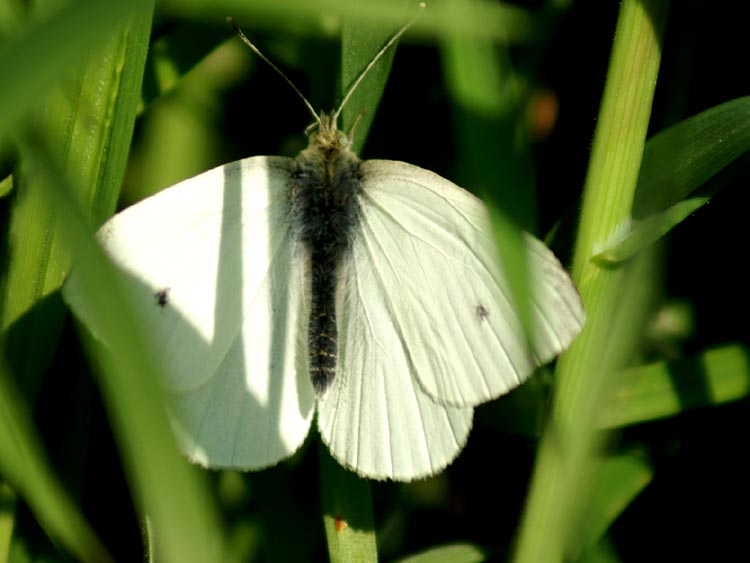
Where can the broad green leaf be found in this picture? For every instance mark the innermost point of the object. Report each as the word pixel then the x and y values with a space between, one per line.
pixel 676 162
pixel 452 553
pixel 664 389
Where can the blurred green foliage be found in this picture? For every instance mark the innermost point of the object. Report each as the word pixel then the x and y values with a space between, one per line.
pixel 109 102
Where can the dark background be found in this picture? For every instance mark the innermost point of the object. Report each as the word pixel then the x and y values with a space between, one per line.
pixel 696 506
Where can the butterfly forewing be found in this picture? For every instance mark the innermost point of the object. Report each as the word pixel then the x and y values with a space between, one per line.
pixel 424 248
pixel 217 283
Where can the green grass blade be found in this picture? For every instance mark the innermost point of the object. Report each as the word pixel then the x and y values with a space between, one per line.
pixel 664 389
pixel 347 512
pixel 649 230
pixel 24 465
pixel 493 20
pixel 613 298
pixel 453 553
pixel 89 119
pixel 51 46
pixel 682 158
pixel 603 552
pixel 165 487
pixel 7 519
pixel 360 41
pixel 175 53
pixel 676 162
pixel 619 480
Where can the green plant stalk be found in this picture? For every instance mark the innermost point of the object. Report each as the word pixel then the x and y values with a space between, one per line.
pixel 346 500
pixel 561 480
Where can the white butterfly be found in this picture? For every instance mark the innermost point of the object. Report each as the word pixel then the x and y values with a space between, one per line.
pixel 367 291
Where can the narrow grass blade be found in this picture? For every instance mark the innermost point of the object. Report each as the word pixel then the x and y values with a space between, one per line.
pixel 347 512
pixel 185 524
pixel 360 41
pixel 88 117
pixel 664 389
pixel 676 162
pixel 453 553
pixel 51 46
pixel 24 465
pixel 650 230
pixel 682 158
pixel 492 20
pixel 619 480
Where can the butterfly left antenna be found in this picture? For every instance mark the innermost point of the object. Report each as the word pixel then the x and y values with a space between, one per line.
pixel 249 43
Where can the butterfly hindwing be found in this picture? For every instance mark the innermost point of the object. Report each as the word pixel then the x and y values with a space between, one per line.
pixel 375 418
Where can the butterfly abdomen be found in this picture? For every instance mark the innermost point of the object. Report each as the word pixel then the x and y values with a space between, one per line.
pixel 324 210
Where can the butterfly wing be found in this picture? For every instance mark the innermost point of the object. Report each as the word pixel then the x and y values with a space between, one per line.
pixel 427 247
pixel 217 282
pixel 375 418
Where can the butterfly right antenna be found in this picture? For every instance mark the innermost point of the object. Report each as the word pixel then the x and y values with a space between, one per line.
pixel 352 88
pixel 374 60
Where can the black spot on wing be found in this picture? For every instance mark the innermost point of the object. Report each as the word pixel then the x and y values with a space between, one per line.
pixel 482 312
pixel 162 297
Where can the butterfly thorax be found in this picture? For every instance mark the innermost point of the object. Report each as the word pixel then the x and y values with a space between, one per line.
pixel 324 206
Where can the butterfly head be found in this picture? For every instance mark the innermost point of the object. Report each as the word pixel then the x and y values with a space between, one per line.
pixel 325 134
